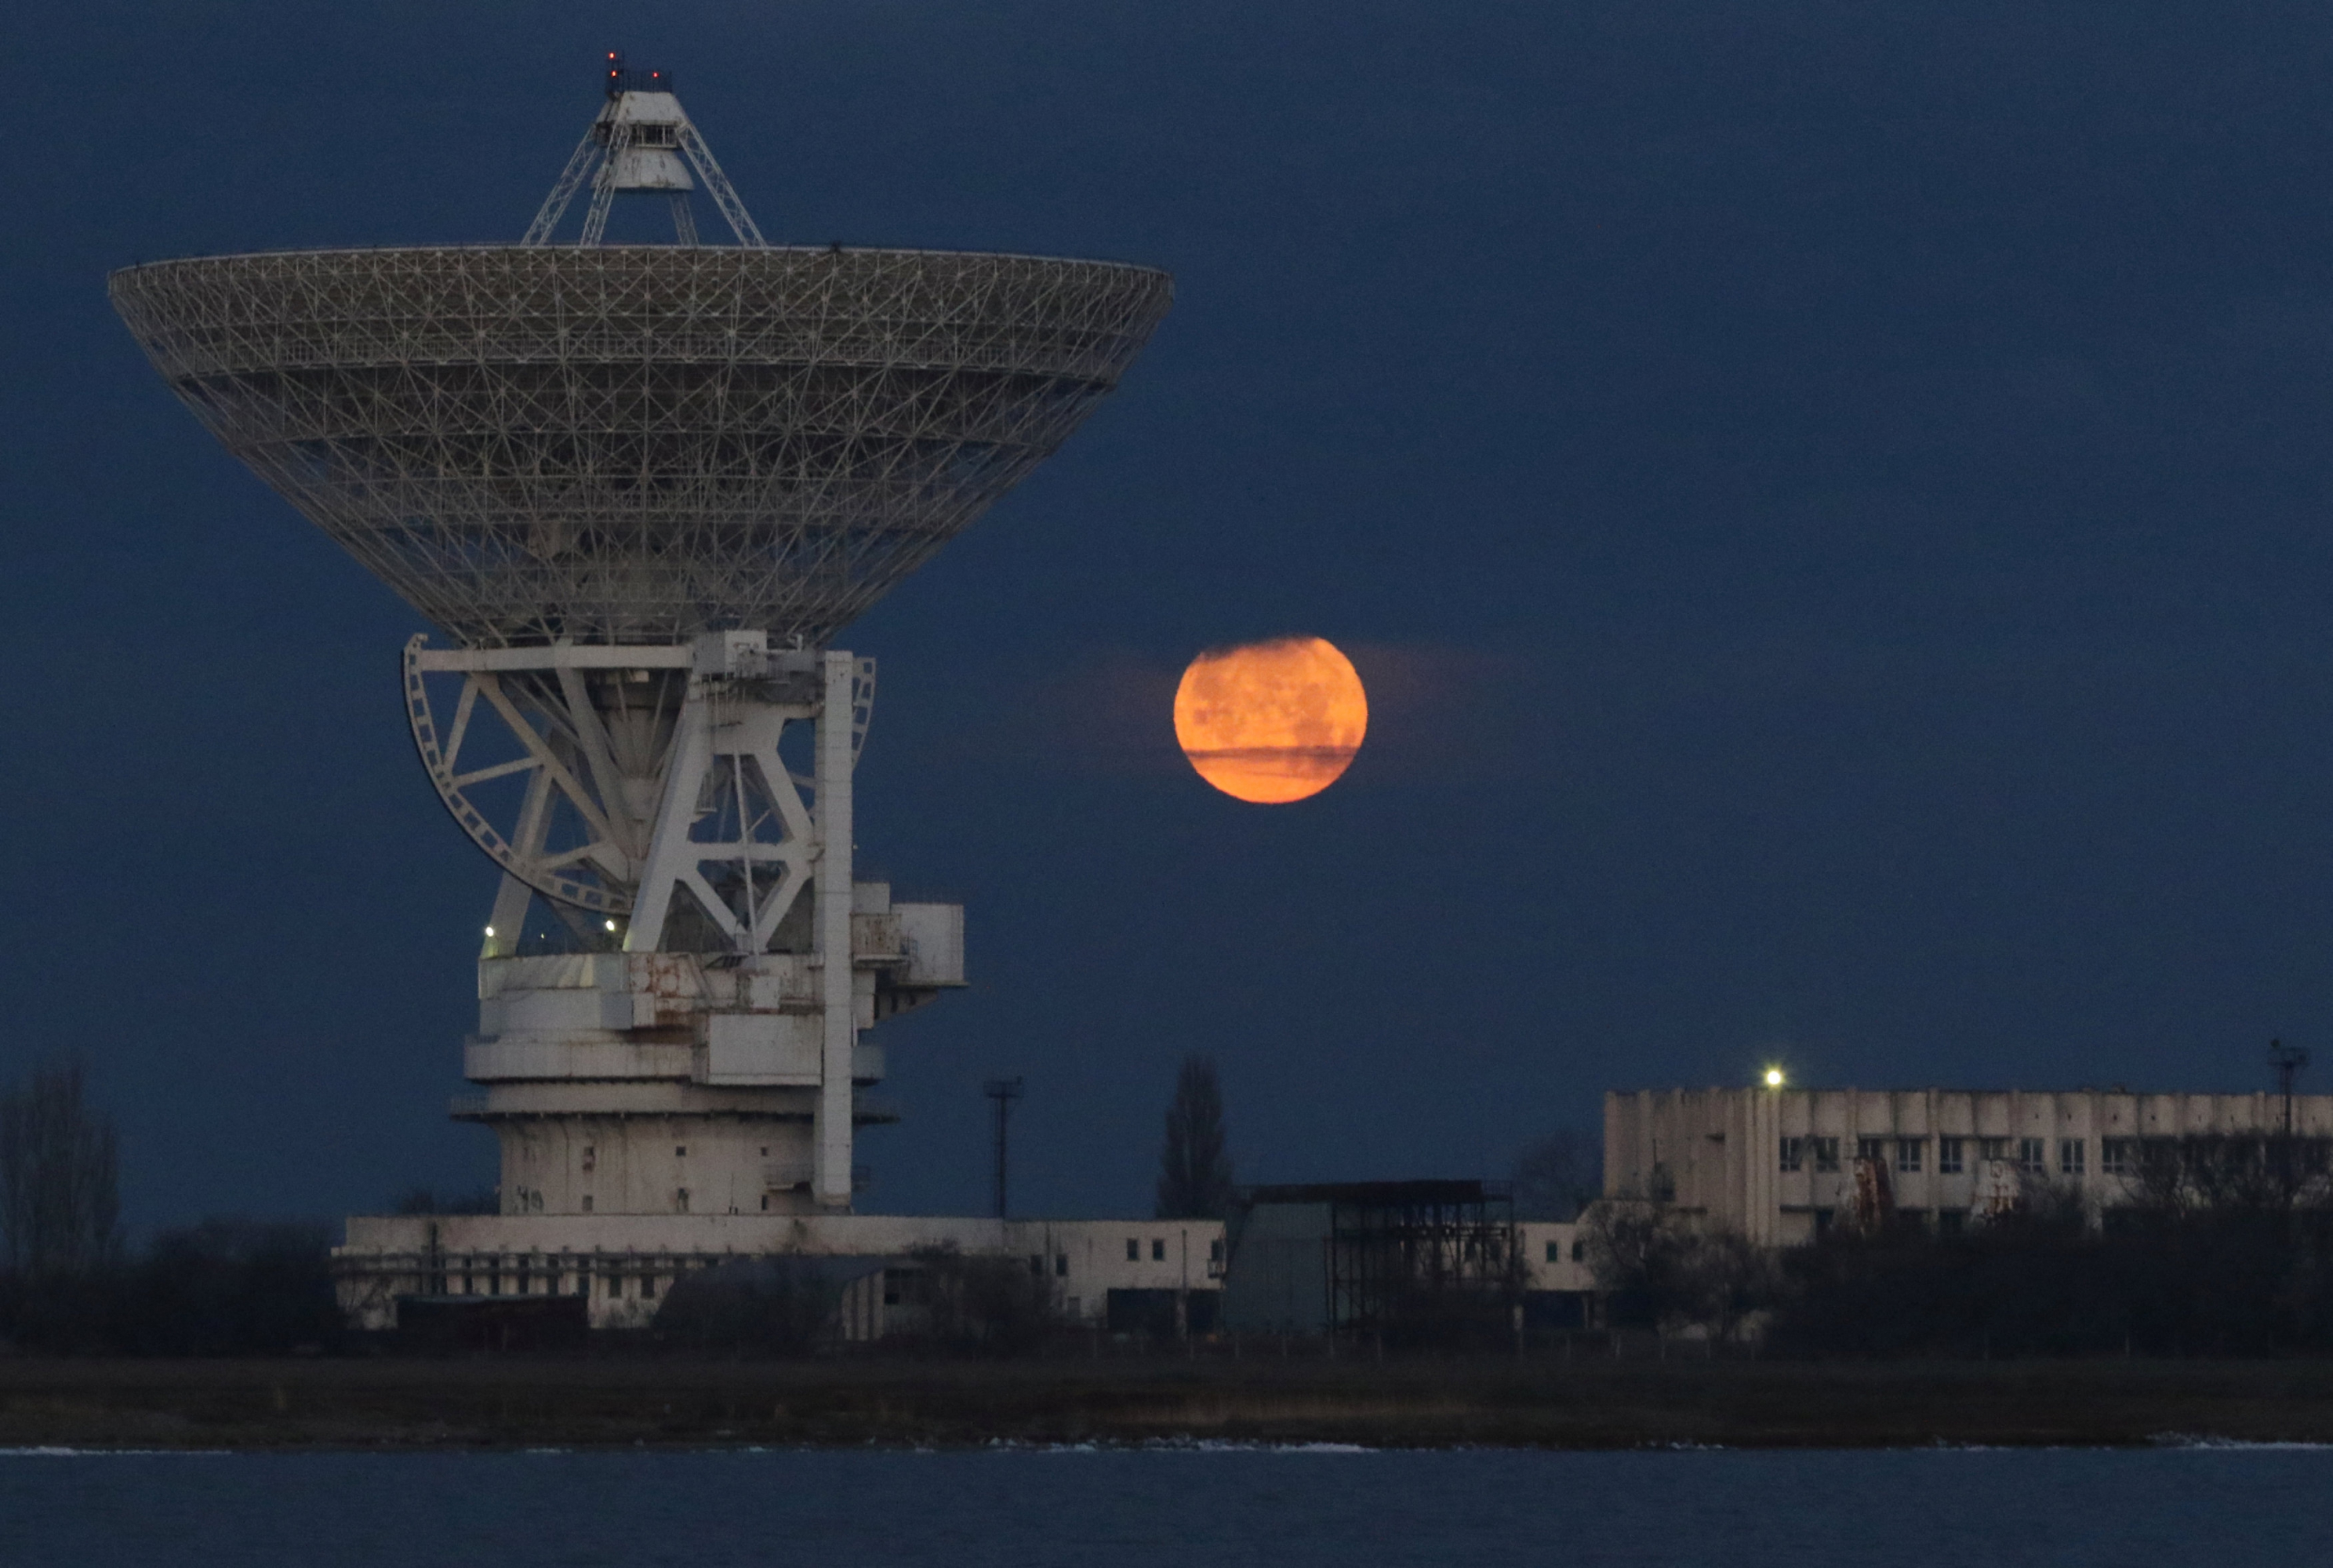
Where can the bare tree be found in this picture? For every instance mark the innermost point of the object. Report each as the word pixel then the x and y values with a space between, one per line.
pixel 1194 1169
pixel 1558 1176
pixel 1659 1270
pixel 60 1190
pixel 2227 1173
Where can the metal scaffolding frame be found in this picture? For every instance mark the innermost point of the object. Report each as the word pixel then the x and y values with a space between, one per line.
pixel 1412 1262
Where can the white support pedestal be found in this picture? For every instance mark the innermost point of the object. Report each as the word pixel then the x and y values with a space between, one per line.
pixel 688 1035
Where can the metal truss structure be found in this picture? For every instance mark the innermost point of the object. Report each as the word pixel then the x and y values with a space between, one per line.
pixel 1422 1261
pixel 641 487
pixel 638 143
pixel 640 444
pixel 610 743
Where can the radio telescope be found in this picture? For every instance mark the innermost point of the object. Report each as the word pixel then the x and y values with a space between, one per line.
pixel 641 488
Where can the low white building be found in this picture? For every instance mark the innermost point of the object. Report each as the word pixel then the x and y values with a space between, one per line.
pixel 1555 1258
pixel 622 1264
pixel 1778 1164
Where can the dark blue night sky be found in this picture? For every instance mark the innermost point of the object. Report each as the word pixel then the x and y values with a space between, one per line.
pixel 1828 499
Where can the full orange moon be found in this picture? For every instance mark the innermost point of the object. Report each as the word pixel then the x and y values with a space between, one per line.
pixel 1271 723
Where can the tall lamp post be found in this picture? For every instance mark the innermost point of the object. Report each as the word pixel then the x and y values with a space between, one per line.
pixel 1003 1090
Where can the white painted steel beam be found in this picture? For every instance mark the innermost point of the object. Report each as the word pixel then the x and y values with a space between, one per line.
pixel 837 1003
pixel 559 656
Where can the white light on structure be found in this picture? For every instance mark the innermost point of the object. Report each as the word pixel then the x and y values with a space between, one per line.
pixel 1773 1078
pixel 490 930
pixel 611 925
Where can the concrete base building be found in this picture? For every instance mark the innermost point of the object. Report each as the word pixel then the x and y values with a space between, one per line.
pixel 1779 1165
pixel 1102 1272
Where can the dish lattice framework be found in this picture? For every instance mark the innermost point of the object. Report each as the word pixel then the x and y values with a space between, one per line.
pixel 640 444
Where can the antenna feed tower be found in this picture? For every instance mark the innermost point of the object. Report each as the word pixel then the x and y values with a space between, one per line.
pixel 642 142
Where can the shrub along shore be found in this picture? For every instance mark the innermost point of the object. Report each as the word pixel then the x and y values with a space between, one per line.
pixel 1538 1401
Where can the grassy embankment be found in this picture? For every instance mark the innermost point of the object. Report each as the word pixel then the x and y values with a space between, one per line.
pixel 407 1404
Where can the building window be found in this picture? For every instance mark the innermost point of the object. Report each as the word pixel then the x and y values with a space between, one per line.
pixel 1872 1149
pixel 1948 1156
pixel 1826 1154
pixel 1993 1148
pixel 587 1203
pixel 1158 1250
pixel 2031 1158
pixel 1555 1252
pixel 680 1199
pixel 1908 1154
pixel 590 1157
pixel 766 1201
pixel 1061 1266
pixel 615 1288
pixel 1037 1265
pixel 1951 1222
pixel 680 1151
pixel 1578 1252
pixel 648 1287
pixel 766 1151
pixel 1822 1222
pixel 2070 1156
pixel 1794 1150
pixel 469 1285
pixel 1133 1251
pixel 2115 1156
pixel 1216 1250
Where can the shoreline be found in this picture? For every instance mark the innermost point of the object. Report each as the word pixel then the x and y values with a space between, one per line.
pixel 385 1405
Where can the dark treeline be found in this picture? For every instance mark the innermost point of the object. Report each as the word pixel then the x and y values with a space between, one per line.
pixel 68 1286
pixel 2047 1284
pixel 223 1287
pixel 2224 1246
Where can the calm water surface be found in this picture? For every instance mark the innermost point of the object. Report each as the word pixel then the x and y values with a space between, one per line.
pixel 1286 1509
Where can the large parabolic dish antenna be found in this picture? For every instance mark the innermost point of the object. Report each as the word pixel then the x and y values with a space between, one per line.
pixel 540 443
pixel 643 487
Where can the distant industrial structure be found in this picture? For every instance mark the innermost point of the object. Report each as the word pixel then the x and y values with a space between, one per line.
pixel 1780 1165
pixel 1136 1276
pixel 1400 1263
pixel 642 488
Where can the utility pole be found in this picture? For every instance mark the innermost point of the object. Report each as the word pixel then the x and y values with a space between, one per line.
pixel 2287 1061
pixel 1003 1090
